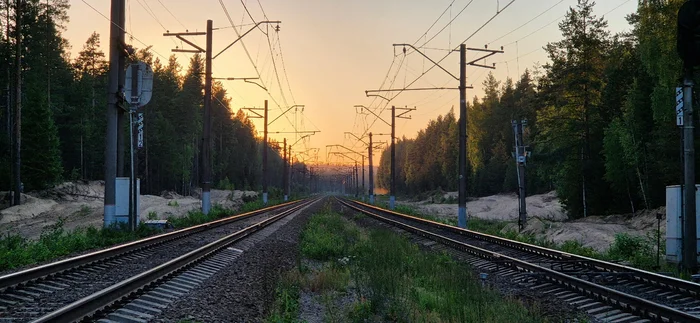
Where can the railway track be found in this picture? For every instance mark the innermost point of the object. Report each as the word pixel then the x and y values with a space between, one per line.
pixel 607 291
pixel 38 294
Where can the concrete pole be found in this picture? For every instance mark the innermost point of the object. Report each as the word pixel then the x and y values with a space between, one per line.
pixel 371 171
pixel 392 193
pixel 264 156
pixel 206 133
pixel 462 198
pixel 520 163
pixel 363 178
pixel 18 105
pixel 289 172
pixel 690 230
pixel 284 171
pixel 357 182
pixel 116 39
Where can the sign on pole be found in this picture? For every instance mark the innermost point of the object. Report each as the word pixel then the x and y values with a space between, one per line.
pixel 139 127
pixel 679 106
pixel 143 84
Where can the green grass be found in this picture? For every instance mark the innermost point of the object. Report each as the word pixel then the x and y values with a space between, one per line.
pixel 391 278
pixel 285 308
pixel 56 242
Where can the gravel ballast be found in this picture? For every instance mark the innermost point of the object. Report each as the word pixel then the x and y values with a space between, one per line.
pixel 244 291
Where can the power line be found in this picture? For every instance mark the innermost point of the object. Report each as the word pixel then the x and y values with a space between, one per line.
pixel 250 58
pixel 551 22
pixel 171 14
pixel 526 23
pixel 449 23
pixel 122 29
pixel 284 69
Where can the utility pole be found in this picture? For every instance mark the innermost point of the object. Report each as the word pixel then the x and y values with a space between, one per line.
pixel 688 48
pixel 115 87
pixel 264 156
pixel 206 131
pixel 357 182
pixel 462 197
pixel 8 106
pixel 289 173
pixel 363 178
pixel 520 160
pixel 18 103
pixel 392 196
pixel 392 186
pixel 690 240
pixel 462 180
pixel 371 171
pixel 206 135
pixel 284 171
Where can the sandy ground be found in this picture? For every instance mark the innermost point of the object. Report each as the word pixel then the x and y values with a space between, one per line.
pixel 81 204
pixel 548 220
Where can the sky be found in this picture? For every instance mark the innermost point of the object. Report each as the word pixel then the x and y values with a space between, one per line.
pixel 327 53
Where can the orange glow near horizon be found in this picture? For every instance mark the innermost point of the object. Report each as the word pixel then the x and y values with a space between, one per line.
pixel 332 51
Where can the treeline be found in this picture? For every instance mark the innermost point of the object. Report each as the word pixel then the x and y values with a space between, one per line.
pixel 601 121
pixel 63 114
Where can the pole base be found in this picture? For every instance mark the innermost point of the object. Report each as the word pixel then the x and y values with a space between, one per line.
pixel 206 202
pixel 286 198
pixel 392 202
pixel 110 215
pixel 371 199
pixel 462 217
pixel 265 198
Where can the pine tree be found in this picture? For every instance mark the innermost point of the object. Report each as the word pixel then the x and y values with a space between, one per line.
pixel 573 118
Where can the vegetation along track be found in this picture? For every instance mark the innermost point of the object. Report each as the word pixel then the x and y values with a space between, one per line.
pixel 28 294
pixel 605 290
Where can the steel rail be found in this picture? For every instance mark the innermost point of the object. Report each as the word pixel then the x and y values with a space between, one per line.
pixel 92 304
pixel 683 286
pixel 630 303
pixel 27 275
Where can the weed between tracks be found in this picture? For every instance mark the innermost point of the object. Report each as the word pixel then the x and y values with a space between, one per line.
pixel 56 242
pixel 358 275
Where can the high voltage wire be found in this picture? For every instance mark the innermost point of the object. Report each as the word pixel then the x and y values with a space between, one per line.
pixel 434 23
pixel 171 14
pixel 498 12
pixel 465 40
pixel 122 29
pixel 449 23
pixel 223 6
pixel 284 68
pixel 548 24
pixel 150 12
pixel 526 23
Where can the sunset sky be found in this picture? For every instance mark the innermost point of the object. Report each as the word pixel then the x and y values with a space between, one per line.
pixel 332 51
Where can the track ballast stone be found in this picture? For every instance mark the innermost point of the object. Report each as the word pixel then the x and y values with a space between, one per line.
pixel 244 291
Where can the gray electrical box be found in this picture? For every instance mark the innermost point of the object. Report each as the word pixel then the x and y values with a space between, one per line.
pixel 122 207
pixel 674 223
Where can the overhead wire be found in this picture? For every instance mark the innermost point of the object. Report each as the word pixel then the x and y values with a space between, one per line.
pixel 122 29
pixel 498 12
pixel 526 23
pixel 228 16
pixel 546 25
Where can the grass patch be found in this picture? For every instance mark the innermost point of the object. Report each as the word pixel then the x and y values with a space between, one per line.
pixel 328 236
pixel 56 242
pixel 390 278
pixel 286 305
